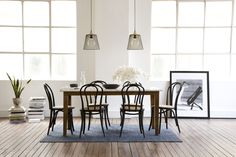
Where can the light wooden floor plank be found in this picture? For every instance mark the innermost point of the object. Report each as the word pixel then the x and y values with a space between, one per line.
pixel 201 138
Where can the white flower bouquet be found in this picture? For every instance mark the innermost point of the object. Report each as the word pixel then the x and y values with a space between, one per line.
pixel 126 73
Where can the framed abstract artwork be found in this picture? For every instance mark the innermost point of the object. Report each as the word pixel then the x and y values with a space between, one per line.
pixel 194 100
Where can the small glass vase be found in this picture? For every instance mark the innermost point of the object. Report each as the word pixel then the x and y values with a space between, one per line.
pixel 82 80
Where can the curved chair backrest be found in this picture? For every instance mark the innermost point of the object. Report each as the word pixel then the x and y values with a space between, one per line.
pixel 173 93
pixel 100 82
pixel 136 100
pixel 50 96
pixel 126 83
pixel 91 92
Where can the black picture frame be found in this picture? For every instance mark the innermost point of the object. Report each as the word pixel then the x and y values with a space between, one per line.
pixel 194 100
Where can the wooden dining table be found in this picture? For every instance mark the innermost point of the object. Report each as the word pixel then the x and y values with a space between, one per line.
pixel 69 92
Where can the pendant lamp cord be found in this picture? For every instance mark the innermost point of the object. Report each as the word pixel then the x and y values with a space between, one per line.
pixel 91 16
pixel 134 16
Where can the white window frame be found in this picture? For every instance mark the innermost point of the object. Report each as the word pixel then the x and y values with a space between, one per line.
pixel 50 53
pixel 203 53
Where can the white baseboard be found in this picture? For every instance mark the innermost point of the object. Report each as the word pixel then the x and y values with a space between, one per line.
pixel 4 114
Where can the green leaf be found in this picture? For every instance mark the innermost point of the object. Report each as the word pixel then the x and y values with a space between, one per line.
pixel 17 85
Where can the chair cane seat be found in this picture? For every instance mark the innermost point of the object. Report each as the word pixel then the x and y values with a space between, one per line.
pixel 94 108
pixel 61 107
pixel 166 107
pixel 132 107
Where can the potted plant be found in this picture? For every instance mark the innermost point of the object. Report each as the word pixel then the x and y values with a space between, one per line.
pixel 18 88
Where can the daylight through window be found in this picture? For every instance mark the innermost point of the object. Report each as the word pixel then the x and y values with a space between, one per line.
pixel 193 35
pixel 38 39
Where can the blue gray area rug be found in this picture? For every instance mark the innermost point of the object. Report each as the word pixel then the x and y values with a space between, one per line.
pixel 130 134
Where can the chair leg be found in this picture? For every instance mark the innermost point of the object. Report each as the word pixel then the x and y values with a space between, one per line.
pixel 105 116
pixel 101 120
pixel 71 129
pixel 122 122
pixel 82 123
pixel 108 120
pixel 176 120
pixel 151 121
pixel 54 119
pixel 141 123
pixel 70 122
pixel 89 120
pixel 160 118
pixel 50 122
pixel 121 118
pixel 166 118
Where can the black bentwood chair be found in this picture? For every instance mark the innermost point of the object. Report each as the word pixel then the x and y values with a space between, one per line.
pixel 172 98
pixel 104 104
pixel 92 92
pixel 132 104
pixel 55 109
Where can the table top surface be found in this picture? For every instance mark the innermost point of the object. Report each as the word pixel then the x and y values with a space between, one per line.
pixel 77 89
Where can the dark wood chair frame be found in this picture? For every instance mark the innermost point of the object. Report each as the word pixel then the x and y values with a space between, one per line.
pixel 55 109
pixel 169 100
pixel 91 109
pixel 104 104
pixel 134 107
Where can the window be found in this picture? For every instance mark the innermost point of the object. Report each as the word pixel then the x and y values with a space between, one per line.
pixel 38 39
pixel 193 35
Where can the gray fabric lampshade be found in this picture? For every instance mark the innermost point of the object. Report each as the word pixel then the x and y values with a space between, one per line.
pixel 91 42
pixel 135 42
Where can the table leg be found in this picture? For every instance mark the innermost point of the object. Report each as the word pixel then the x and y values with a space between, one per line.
pixel 65 113
pixel 68 121
pixel 152 114
pixel 156 113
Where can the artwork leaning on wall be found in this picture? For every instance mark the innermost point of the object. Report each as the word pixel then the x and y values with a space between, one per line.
pixel 194 97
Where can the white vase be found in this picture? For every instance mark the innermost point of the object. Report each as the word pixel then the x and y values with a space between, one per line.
pixel 17 105
pixel 17 102
pixel 82 80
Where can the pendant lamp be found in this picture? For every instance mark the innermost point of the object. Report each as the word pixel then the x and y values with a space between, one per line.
pixel 91 40
pixel 135 41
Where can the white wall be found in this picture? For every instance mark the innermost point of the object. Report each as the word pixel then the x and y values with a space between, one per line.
pixel 113 22
pixel 223 98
